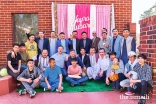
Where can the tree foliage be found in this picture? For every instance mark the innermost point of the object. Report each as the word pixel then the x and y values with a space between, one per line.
pixel 23 22
pixel 151 11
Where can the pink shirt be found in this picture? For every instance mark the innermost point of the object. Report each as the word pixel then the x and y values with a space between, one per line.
pixel 72 71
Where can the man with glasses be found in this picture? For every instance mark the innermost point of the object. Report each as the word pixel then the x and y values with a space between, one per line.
pixel 95 41
pixel 30 78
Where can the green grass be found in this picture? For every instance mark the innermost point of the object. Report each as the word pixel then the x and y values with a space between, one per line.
pixel 91 86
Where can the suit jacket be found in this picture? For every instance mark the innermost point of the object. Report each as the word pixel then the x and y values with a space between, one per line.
pixel 96 56
pixel 117 45
pixel 87 46
pixel 77 46
pixel 86 60
pixel 95 43
pixel 45 44
pixel 80 63
pixel 26 73
pixel 67 42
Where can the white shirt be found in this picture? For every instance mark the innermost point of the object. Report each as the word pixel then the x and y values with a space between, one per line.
pixel 103 63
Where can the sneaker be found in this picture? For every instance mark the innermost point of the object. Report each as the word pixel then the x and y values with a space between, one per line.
pixel 45 89
pixel 113 89
pixel 22 92
pixel 72 84
pixel 129 93
pixel 82 84
pixel 58 90
pixel 32 94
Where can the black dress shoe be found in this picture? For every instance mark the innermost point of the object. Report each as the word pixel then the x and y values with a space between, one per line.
pixel 142 101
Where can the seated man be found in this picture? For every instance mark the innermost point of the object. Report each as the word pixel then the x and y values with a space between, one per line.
pixel 14 64
pixel 133 61
pixel 73 55
pixel 30 78
pixel 42 60
pixel 86 61
pixel 74 74
pixel 24 55
pixel 60 58
pixel 120 72
pixel 144 81
pixel 103 65
pixel 53 77
pixel 91 71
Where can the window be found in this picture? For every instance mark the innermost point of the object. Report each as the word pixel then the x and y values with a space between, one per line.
pixel 22 22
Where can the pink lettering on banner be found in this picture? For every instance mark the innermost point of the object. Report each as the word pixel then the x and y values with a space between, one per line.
pixel 82 19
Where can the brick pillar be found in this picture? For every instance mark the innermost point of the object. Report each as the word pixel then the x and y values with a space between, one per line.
pixel 148 44
pixel 132 27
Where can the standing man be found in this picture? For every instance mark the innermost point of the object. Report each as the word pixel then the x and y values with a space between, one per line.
pixel 30 78
pixel 116 43
pixel 31 46
pixel 75 44
pixel 95 41
pixel 85 42
pixel 52 44
pixel 42 43
pixel 63 42
pixel 105 43
pixel 104 30
pixel 128 44
pixel 60 58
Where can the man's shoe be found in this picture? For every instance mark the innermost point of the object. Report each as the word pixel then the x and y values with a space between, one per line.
pixel 83 84
pixel 72 84
pixel 22 92
pixel 32 94
pixel 45 89
pixel 142 101
pixel 122 89
pixel 58 90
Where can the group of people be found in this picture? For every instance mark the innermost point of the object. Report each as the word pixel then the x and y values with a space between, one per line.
pixel 45 62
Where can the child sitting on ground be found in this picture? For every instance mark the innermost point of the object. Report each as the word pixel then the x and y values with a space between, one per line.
pixel 74 74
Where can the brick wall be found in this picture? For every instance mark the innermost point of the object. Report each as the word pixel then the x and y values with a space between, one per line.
pixel 123 16
pixel 148 44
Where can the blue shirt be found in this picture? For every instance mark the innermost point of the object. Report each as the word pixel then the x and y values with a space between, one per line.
pixel 52 75
pixel 74 45
pixel 63 42
pixel 52 46
pixel 60 59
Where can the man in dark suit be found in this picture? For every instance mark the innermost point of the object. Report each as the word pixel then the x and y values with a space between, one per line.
pixel 85 42
pixel 95 41
pixel 75 44
pixel 85 59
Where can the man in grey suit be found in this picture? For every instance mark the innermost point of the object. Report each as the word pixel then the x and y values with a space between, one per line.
pixel 30 78
pixel 116 43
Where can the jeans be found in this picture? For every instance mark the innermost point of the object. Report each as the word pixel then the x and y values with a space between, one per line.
pixel 103 78
pixel 76 81
pixel 141 87
pixel 64 72
pixel 54 85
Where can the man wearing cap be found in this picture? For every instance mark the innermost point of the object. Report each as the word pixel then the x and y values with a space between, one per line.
pixel 95 41
pixel 132 63
pixel 128 44
pixel 104 42
pixel 144 83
